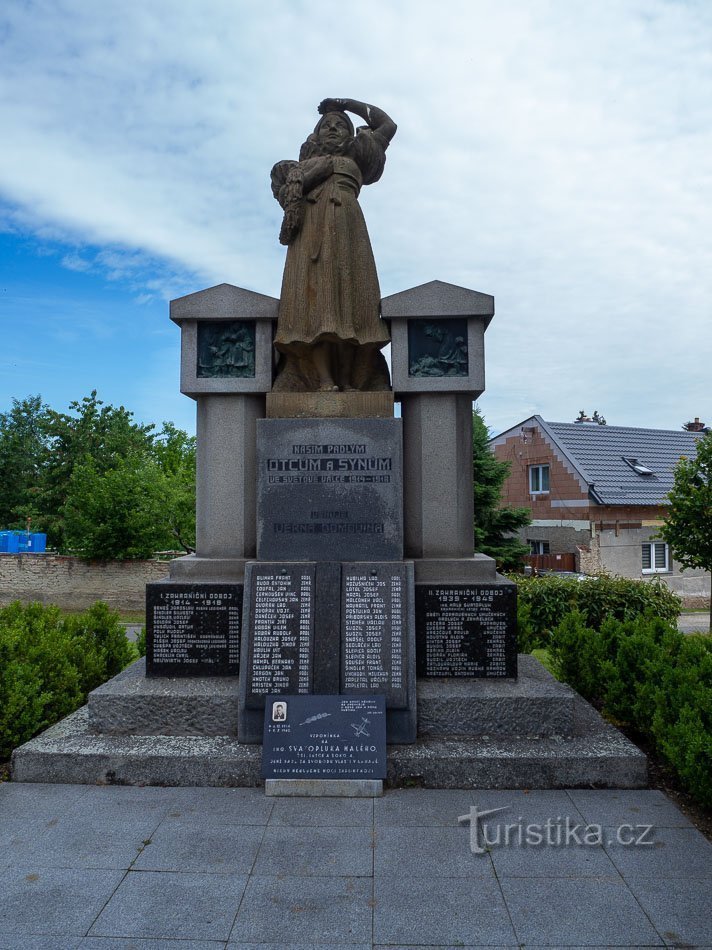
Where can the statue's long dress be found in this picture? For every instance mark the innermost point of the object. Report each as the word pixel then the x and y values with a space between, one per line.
pixel 330 287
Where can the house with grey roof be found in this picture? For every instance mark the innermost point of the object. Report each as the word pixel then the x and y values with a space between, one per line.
pixel 598 494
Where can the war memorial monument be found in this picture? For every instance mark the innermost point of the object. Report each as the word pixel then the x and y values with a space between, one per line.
pixel 334 540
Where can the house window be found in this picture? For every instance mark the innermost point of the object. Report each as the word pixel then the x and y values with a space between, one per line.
pixel 538 547
pixel 656 557
pixel 538 479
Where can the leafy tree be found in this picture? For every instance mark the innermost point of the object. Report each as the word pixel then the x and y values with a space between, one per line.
pixel 95 481
pixel 116 513
pixel 495 525
pixel 688 525
pixel 90 431
pixel 174 451
pixel 23 453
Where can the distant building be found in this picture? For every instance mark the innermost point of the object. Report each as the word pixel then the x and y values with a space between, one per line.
pixel 598 494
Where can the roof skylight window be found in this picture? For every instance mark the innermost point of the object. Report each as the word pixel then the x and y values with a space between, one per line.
pixel 638 466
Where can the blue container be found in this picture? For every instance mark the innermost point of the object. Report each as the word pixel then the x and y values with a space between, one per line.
pixel 38 542
pixel 9 542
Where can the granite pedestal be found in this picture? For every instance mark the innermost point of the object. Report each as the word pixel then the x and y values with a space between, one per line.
pixel 532 732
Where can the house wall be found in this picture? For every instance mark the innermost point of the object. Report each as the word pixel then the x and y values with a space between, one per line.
pixel 563 538
pixel 604 538
pixel 74 584
pixel 567 497
pixel 621 554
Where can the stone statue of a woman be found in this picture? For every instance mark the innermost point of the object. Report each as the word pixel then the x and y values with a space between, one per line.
pixel 330 332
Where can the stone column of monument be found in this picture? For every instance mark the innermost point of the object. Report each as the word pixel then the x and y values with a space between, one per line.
pixel 438 371
pixel 465 611
pixel 226 366
pixel 193 618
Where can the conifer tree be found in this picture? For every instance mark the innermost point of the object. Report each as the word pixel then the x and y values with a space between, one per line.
pixel 495 525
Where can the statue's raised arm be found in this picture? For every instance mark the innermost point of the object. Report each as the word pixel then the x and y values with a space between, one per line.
pixel 329 331
pixel 376 119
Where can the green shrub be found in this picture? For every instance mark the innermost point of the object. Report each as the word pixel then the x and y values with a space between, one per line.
pixel 576 653
pixel 681 707
pixel 141 642
pixel 545 601
pixel 50 662
pixel 645 674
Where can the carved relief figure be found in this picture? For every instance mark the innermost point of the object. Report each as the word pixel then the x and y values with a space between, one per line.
pixel 329 332
pixel 226 349
pixel 445 352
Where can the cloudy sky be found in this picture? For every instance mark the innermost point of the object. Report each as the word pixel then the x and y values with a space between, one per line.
pixel 554 153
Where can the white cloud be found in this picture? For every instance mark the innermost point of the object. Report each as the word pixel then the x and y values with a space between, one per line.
pixel 554 154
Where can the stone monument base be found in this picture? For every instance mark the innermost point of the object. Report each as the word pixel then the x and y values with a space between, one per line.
pixel 349 405
pixel 191 568
pixel 532 732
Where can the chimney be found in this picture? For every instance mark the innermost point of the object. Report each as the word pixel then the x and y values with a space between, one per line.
pixel 695 426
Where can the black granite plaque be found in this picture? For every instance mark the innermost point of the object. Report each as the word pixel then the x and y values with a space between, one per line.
pixel 373 631
pixel 193 629
pixel 279 630
pixel 466 630
pixel 324 737
pixel 329 490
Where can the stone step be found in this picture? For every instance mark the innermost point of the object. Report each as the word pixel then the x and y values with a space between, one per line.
pixel 131 704
pixel 596 755
pixel 535 704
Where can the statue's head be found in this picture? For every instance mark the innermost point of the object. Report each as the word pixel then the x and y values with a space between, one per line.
pixel 333 130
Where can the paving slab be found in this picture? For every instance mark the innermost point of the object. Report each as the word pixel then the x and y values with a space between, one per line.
pixel 440 911
pixel 428 853
pixel 522 860
pixel 223 864
pixel 129 943
pixel 16 837
pixel 285 909
pixel 324 812
pixel 571 911
pixel 297 946
pixel 671 853
pixel 114 802
pixel 421 807
pixel 84 841
pixel 414 807
pixel 324 852
pixel 202 844
pixel 43 802
pixel 53 942
pixel 61 901
pixel 242 806
pixel 171 905
pixel 679 909
pixel 619 806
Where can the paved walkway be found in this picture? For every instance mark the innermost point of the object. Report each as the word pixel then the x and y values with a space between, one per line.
pixel 694 623
pixel 197 868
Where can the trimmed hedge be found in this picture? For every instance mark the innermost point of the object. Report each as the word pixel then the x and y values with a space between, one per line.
pixel 544 602
pixel 645 674
pixel 49 662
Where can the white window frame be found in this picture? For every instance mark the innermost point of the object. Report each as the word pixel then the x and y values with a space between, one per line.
pixel 539 545
pixel 539 479
pixel 652 548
